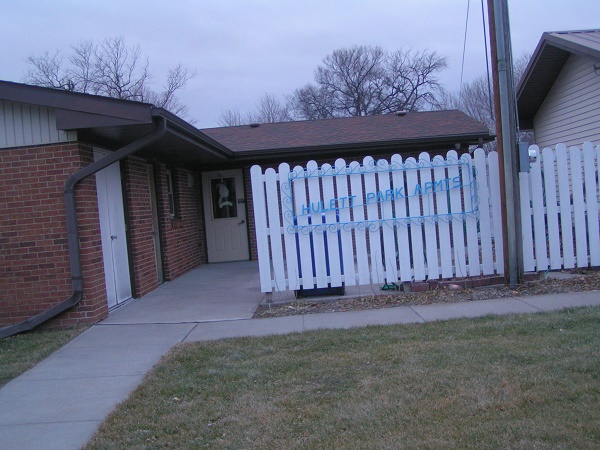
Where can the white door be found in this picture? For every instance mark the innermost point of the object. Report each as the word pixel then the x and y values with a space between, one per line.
pixel 225 216
pixel 112 230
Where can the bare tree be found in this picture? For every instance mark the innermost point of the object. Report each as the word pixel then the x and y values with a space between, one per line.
pixel 312 102
pixel 82 72
pixel 357 81
pixel 109 68
pixel 354 80
pixel 413 83
pixel 364 80
pixel 177 78
pixel 119 71
pixel 475 98
pixel 268 110
pixel 48 72
pixel 231 118
pixel 519 66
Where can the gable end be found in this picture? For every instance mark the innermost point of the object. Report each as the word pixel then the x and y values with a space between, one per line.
pixel 25 125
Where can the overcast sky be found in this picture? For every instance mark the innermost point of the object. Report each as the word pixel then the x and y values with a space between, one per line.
pixel 243 49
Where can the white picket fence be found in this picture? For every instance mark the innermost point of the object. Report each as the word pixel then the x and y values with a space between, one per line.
pixel 560 200
pixel 377 222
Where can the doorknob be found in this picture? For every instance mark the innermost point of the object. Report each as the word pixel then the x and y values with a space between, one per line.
pixel 113 237
pixel 241 222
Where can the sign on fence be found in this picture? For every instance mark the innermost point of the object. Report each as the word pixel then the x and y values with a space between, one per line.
pixel 377 222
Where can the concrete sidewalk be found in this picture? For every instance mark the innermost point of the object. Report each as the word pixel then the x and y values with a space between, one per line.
pixel 60 403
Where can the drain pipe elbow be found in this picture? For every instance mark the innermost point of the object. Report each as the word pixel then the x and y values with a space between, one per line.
pixel 73 230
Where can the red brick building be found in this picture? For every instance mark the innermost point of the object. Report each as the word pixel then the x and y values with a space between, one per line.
pixel 102 200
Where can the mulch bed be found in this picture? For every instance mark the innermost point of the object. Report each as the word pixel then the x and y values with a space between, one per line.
pixel 579 280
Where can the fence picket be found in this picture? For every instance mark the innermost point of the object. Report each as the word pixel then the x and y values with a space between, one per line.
pixel 485 219
pixel 539 219
pixel 331 233
pixel 289 237
pixel 591 202
pixel 564 195
pixel 597 166
pixel 526 223
pixel 318 240
pixel 260 220
pixel 458 238
pixel 275 229
pixel 581 247
pixel 552 214
pixel 358 215
pixel 416 225
pixel 341 185
pixel 470 218
pixel 441 201
pixel 496 208
pixel 429 225
pixel 401 213
pixel 305 263
pixel 374 231
pixel 389 245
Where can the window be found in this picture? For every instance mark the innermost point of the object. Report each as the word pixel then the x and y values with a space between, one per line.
pixel 223 198
pixel 171 195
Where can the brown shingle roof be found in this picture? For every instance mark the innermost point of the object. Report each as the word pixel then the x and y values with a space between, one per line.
pixel 434 127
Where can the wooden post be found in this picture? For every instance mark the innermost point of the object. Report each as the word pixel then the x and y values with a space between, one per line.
pixel 506 131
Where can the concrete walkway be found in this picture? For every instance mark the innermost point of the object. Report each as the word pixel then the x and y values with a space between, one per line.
pixel 212 292
pixel 60 403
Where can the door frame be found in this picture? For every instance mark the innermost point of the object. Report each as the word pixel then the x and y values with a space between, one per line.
pixel 156 229
pixel 240 203
pixel 107 237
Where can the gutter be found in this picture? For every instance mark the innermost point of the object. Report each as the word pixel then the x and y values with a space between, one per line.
pixel 73 231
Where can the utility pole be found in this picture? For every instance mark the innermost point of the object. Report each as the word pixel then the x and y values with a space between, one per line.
pixel 507 138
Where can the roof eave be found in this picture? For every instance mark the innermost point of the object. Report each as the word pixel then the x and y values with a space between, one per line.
pixel 358 147
pixel 557 41
pixel 189 132
pixel 97 116
pixel 77 102
pixel 530 99
pixel 532 91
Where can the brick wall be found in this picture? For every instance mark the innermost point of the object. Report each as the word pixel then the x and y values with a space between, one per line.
pixel 182 236
pixel 250 214
pixel 34 258
pixel 138 209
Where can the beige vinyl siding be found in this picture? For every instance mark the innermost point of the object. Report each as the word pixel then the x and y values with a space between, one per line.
pixel 23 125
pixel 570 113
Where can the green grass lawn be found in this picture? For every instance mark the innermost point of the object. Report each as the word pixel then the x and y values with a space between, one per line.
pixel 530 381
pixel 21 352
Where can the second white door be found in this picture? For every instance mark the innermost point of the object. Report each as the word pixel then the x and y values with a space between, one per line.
pixel 112 231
